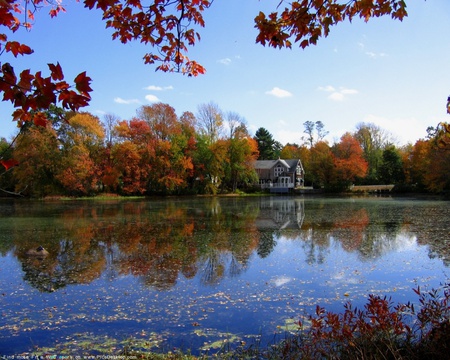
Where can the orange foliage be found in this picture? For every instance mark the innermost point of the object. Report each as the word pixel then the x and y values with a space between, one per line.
pixel 349 160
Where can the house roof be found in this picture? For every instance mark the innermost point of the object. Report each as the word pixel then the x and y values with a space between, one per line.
pixel 291 164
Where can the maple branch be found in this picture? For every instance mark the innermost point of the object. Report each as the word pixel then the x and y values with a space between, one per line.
pixel 179 32
pixel 13 192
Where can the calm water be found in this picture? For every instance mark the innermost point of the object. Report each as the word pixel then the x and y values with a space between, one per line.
pixel 193 273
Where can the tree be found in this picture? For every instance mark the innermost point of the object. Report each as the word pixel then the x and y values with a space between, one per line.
pixel 210 121
pixel 294 151
pixel 39 161
pixel 321 166
pixel 373 140
pixel 131 157
pixel 110 121
pixel 242 152
pixel 315 132
pixel 348 161
pixel 162 120
pixel 267 146
pixel 391 169
pixel 82 139
pixel 209 160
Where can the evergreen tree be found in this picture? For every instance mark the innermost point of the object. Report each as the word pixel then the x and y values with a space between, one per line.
pixel 268 148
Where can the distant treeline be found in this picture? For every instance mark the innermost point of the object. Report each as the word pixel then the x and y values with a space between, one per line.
pixel 158 152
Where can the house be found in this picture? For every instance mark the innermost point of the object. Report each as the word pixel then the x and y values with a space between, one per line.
pixel 280 175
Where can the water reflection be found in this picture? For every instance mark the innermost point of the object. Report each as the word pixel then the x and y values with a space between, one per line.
pixel 213 238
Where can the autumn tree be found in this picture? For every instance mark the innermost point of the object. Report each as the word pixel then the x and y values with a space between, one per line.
pixel 431 160
pixel 321 167
pixel 161 118
pixel 169 139
pixel 242 153
pixel 348 161
pixel 38 162
pixel 131 157
pixel 82 138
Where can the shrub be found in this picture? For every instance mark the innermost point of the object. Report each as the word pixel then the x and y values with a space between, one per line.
pixel 381 330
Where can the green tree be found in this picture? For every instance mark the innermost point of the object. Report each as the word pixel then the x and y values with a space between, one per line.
pixel 268 148
pixel 391 169
pixel 373 141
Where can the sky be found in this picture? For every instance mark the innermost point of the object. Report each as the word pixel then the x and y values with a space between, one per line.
pixel 389 73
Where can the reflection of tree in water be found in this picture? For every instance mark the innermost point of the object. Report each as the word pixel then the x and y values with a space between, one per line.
pixel 237 267
pixel 163 273
pixel 64 266
pixel 194 240
pixel 266 244
pixel 213 269
pixel 315 243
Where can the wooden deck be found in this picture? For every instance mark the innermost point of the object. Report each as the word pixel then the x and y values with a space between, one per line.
pixel 372 188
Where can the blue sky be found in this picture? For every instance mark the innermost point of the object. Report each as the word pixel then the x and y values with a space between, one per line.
pixel 391 73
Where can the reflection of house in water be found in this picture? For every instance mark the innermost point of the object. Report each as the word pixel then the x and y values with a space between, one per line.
pixel 281 213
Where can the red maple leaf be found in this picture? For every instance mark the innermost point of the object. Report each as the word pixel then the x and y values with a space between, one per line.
pixel 8 164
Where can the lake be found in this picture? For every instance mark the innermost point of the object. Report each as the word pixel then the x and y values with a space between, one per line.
pixel 195 273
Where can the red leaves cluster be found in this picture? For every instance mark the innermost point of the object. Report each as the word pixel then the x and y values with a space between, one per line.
pixel 32 94
pixel 163 24
pixel 8 164
pixel 305 21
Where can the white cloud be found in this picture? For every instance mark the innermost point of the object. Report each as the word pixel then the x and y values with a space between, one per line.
pixel 158 88
pixel 371 54
pixel 119 100
pixel 375 55
pixel 337 95
pixel 403 129
pixel 327 88
pixel 152 98
pixel 225 61
pixel 348 91
pixel 285 136
pixel 280 93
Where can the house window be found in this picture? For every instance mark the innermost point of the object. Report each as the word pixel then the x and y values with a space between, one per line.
pixel 278 170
